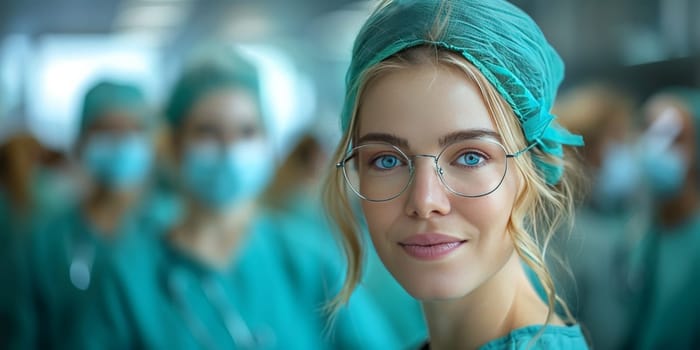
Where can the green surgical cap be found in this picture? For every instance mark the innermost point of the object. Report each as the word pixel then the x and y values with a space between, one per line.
pixel 499 39
pixel 204 77
pixel 109 96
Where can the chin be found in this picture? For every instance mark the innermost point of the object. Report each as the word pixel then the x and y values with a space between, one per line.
pixel 436 286
pixel 434 294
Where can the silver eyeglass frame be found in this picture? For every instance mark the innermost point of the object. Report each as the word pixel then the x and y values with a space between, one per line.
pixel 411 166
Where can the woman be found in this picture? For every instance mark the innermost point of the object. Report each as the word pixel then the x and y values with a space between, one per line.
pixel 450 144
pixel 608 220
pixel 225 276
pixel 20 156
pixel 665 263
pixel 115 152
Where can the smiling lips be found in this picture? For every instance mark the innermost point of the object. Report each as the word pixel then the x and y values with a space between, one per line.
pixel 430 246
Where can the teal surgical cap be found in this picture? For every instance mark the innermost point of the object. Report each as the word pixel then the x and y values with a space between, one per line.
pixel 499 39
pixel 204 77
pixel 109 96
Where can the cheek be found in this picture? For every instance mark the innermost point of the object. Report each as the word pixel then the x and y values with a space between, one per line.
pixel 379 216
pixel 490 215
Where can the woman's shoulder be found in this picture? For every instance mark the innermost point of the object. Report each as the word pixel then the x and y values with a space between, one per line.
pixel 549 337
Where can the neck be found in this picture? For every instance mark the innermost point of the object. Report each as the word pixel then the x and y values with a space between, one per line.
pixel 675 211
pixel 213 236
pixel 105 208
pixel 505 302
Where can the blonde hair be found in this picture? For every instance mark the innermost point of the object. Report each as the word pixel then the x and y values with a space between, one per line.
pixel 538 208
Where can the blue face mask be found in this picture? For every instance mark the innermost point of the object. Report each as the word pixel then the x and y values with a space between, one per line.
pixel 618 177
pixel 223 178
pixel 665 171
pixel 118 162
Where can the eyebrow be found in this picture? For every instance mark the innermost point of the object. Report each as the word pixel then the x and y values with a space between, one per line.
pixel 445 140
pixel 381 137
pixel 468 134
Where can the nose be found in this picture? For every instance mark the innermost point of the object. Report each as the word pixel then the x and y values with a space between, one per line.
pixel 427 196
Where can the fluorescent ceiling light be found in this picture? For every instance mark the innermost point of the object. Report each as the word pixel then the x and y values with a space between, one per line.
pixel 152 15
pixel 247 27
pixel 150 37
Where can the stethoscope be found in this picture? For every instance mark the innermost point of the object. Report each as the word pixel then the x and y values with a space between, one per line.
pixel 81 254
pixel 243 336
pixel 81 251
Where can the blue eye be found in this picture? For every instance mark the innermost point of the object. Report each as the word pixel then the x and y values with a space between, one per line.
pixel 471 159
pixel 386 162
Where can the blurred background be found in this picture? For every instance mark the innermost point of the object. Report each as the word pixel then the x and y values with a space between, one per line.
pixel 50 51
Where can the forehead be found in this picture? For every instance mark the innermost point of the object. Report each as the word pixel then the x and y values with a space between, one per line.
pixel 422 104
pixel 116 120
pixel 228 107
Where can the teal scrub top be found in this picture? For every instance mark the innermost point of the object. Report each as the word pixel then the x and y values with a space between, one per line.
pixel 668 310
pixel 66 256
pixel 553 337
pixel 18 309
pixel 271 296
pixel 15 311
pixel 594 254
pixel 160 297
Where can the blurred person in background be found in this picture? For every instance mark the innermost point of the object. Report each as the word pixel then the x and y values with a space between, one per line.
pixel 597 295
pixel 20 156
pixel 115 152
pixel 227 275
pixel 296 181
pixel 293 199
pixel 666 310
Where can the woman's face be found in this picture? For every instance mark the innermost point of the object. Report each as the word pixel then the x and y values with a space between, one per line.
pixel 669 148
pixel 116 152
pixel 225 159
pixel 437 244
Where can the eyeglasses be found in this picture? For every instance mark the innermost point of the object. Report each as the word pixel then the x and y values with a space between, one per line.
pixel 380 171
